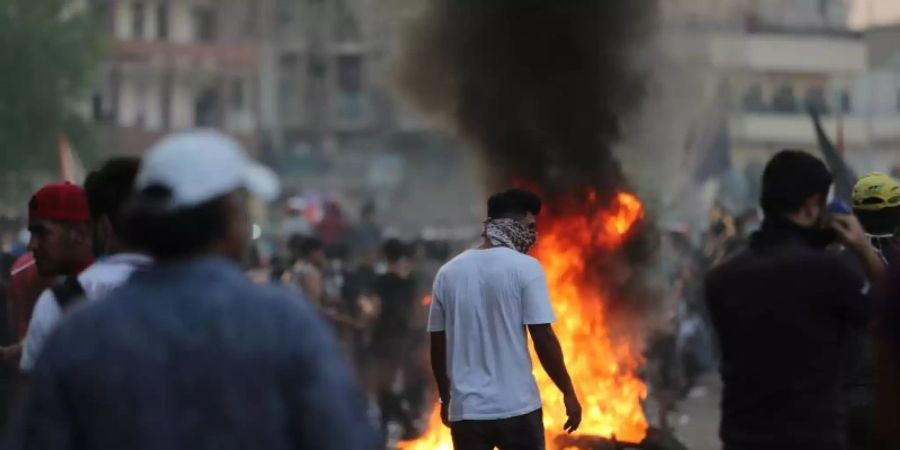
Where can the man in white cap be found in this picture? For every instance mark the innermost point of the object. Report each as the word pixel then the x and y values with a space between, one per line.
pixel 191 354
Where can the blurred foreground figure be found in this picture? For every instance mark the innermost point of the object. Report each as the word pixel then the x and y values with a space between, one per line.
pixel 483 302
pixel 190 354
pixel 107 190
pixel 782 309
pixel 876 203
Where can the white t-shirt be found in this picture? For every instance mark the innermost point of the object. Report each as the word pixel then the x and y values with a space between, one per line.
pixel 483 299
pixel 97 281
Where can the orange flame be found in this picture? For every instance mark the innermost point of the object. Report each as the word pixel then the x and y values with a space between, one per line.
pixel 602 368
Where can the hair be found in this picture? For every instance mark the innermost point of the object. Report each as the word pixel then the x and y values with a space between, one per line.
pixel 790 179
pixel 513 203
pixel 395 250
pixel 108 189
pixel 173 234
pixel 310 245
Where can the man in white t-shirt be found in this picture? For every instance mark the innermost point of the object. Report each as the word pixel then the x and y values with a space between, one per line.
pixel 107 190
pixel 483 301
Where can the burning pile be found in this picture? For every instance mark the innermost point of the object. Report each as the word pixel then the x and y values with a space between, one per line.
pixel 603 366
pixel 540 89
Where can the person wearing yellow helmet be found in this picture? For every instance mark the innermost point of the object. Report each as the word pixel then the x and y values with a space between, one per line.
pixel 876 203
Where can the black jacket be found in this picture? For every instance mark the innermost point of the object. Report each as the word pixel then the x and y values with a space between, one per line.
pixel 783 308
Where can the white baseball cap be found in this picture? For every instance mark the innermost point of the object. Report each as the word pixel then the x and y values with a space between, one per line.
pixel 201 165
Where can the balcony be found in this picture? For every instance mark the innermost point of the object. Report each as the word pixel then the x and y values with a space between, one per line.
pixel 216 56
pixel 786 130
pixel 785 53
pixel 884 129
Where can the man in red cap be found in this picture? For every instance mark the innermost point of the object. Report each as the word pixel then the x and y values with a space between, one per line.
pixel 59 222
pixel 61 244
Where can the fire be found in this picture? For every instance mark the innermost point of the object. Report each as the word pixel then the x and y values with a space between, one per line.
pixel 436 437
pixel 602 368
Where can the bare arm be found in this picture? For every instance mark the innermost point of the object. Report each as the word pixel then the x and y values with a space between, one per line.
pixel 439 364
pixel 311 284
pixel 852 235
pixel 550 354
pixel 873 265
pixel 439 369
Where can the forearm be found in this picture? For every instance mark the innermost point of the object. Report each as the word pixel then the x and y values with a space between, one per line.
pixel 439 365
pixel 551 357
pixel 874 266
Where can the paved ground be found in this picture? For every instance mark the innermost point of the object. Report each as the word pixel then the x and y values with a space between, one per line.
pixel 697 420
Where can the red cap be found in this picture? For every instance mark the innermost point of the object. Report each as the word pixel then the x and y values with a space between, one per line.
pixel 60 201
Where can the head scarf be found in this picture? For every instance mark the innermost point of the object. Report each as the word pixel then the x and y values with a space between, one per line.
pixel 510 233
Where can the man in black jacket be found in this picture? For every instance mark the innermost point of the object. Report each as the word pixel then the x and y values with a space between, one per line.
pixel 782 309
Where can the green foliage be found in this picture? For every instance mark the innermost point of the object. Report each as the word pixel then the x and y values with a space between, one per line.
pixel 49 53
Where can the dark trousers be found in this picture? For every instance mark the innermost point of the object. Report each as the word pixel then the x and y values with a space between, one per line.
pixel 516 433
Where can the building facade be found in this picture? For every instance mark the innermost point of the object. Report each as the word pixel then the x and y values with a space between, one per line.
pixel 770 61
pixel 177 64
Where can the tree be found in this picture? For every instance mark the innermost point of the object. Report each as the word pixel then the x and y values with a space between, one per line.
pixel 49 53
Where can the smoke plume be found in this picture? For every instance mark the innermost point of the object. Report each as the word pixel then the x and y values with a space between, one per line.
pixel 539 87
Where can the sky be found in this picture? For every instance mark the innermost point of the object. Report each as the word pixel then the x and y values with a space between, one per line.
pixel 874 12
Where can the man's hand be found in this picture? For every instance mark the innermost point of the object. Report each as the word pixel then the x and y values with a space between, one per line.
pixel 445 413
pixel 11 353
pixel 573 412
pixel 850 231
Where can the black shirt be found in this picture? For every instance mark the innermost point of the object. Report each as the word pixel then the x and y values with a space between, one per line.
pixel 397 300
pixel 783 309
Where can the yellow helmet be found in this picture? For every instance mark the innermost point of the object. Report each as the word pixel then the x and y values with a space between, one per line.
pixel 876 191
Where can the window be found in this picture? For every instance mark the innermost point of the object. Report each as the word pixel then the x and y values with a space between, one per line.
pixel 284 13
pixel 349 99
pixel 206 109
pixel 753 99
pixel 205 25
pixel 898 100
pixel 815 100
pixel 290 61
pixel 140 94
pixel 162 22
pixel 316 66
pixel 346 28
pixel 238 93
pixel 137 21
pixel 101 108
pixel 349 69
pixel 846 101
pixel 288 99
pixel 783 100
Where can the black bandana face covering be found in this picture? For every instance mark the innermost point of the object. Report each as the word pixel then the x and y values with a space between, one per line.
pixel 510 233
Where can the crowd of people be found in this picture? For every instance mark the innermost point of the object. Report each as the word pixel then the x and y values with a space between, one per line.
pixel 372 292
pixel 133 318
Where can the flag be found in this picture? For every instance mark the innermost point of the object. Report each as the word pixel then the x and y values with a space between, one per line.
pixel 844 177
pixel 708 147
pixel 70 167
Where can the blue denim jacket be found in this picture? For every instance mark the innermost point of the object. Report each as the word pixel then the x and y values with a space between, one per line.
pixel 193 356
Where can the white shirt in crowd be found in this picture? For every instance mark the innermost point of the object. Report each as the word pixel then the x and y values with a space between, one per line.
pixel 97 281
pixel 483 299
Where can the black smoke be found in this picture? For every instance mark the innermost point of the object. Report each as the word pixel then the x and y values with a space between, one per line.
pixel 539 87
